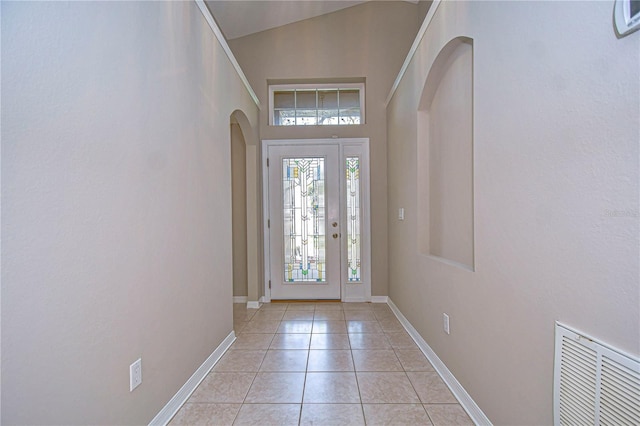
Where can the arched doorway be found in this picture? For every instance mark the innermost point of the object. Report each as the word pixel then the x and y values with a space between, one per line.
pixel 239 212
pixel 247 262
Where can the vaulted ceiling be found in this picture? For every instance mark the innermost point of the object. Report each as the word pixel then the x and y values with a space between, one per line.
pixel 237 18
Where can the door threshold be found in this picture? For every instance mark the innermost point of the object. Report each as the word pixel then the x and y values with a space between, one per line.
pixel 306 301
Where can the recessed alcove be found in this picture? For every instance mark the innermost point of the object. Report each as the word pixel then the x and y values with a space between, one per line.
pixel 445 157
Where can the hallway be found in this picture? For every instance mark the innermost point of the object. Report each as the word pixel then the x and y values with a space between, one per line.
pixel 322 364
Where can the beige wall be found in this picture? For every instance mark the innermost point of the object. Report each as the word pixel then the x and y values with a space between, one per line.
pixel 369 41
pixel 116 206
pixel 556 198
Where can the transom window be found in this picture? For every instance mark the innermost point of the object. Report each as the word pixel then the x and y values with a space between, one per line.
pixel 316 104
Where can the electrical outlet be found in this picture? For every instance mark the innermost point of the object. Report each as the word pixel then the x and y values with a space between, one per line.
pixel 445 319
pixel 135 374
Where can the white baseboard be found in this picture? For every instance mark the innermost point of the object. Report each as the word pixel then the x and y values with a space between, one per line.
pixel 239 299
pixel 379 299
pixel 166 414
pixel 469 405
pixel 253 305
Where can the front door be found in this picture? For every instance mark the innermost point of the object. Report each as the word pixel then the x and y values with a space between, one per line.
pixel 317 220
pixel 304 213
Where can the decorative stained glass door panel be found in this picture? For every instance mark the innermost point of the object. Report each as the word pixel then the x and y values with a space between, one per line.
pixel 304 211
pixel 353 216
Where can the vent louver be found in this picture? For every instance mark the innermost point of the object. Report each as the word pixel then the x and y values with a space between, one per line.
pixel 593 383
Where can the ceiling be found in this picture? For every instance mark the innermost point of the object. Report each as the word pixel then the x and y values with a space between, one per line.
pixel 237 18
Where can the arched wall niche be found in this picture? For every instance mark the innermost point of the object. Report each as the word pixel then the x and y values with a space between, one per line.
pixel 445 157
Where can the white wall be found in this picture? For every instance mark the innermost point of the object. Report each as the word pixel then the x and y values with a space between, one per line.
pixel 116 206
pixel 556 132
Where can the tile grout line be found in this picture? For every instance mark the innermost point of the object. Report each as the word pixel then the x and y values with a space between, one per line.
pixel 355 374
pixel 386 333
pixel 306 372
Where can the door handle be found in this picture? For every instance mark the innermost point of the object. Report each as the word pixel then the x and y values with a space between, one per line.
pixel 335 235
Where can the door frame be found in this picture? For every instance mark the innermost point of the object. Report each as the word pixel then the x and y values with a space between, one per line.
pixel 349 291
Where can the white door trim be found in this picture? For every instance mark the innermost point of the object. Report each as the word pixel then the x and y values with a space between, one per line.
pixel 350 292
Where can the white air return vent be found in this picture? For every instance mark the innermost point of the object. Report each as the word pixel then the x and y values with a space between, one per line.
pixel 593 383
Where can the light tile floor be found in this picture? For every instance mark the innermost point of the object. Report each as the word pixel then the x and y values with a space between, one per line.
pixel 321 364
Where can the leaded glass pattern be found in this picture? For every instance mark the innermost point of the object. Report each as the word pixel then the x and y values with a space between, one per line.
pixel 303 182
pixel 353 219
